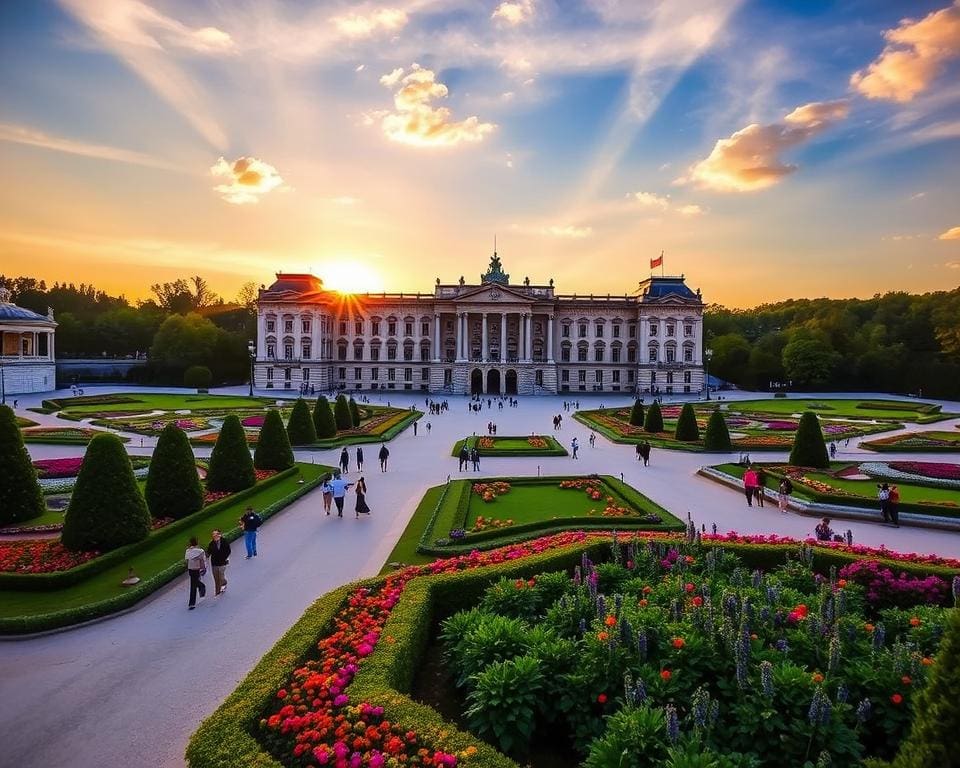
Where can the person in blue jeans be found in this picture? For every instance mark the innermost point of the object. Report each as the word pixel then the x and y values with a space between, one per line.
pixel 250 522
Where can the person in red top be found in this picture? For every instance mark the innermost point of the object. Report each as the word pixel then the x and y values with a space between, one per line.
pixel 750 484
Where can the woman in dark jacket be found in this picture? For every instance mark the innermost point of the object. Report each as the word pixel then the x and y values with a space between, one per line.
pixel 362 508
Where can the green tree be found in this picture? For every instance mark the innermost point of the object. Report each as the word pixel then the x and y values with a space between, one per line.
pixel 809 448
pixel 184 340
pixel 300 428
pixel 717 436
pixel 636 414
pixel 323 419
pixel 173 484
pixel 809 362
pixel 654 419
pixel 106 508
pixel 273 446
pixel 20 496
pixel 687 428
pixel 197 377
pixel 341 413
pixel 731 355
pixel 231 467
pixel 354 412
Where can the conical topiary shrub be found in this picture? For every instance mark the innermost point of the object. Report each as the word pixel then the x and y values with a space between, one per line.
pixel 687 428
pixel 173 485
pixel 809 449
pixel 20 496
pixel 341 413
pixel 273 446
pixel 300 428
pixel 106 509
pixel 323 420
pixel 231 468
pixel 636 414
pixel 654 420
pixel 354 412
pixel 717 436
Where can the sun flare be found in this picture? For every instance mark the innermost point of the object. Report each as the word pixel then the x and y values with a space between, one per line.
pixel 350 276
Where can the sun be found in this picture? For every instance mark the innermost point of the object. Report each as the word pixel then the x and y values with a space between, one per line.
pixel 349 276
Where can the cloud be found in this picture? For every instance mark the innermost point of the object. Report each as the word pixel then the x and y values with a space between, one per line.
pixel 650 200
pixel 17 134
pixel 689 210
pixel 952 265
pixel 914 56
pixel 513 13
pixel 361 25
pixel 951 234
pixel 655 202
pixel 142 37
pixel 568 231
pixel 344 200
pixel 417 121
pixel 360 68
pixel 750 159
pixel 918 195
pixel 249 179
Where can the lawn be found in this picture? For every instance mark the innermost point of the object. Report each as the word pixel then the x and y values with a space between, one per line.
pixel 532 503
pixel 92 406
pixel 933 441
pixel 22 422
pixel 512 445
pixel 63 435
pixel 892 410
pixel 150 562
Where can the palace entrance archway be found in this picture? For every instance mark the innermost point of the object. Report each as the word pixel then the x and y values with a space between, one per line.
pixel 493 382
pixel 476 382
pixel 511 382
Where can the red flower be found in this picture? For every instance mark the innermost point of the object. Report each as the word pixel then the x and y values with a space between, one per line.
pixel 602 698
pixel 689 587
pixel 665 674
pixel 896 698
pixel 697 601
pixel 678 642
pixel 610 621
pixel 906 680
pixel 914 621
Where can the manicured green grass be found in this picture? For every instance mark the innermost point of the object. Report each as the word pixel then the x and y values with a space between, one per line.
pixel 405 550
pixel 512 445
pixel 895 410
pixel 919 442
pixel 532 503
pixel 142 403
pixel 22 422
pixel 148 563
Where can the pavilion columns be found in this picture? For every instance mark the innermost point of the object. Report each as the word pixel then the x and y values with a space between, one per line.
pixel 460 316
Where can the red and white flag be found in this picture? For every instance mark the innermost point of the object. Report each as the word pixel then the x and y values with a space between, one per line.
pixel 657 262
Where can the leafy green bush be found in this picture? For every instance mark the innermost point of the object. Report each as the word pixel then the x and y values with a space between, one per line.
pixel 173 486
pixel 300 427
pixel 636 414
pixel 231 467
pixel 687 429
pixel 635 738
pixel 273 446
pixel 341 413
pixel 20 496
pixel 106 509
pixel 654 419
pixel 717 436
pixel 504 702
pixel 323 419
pixel 354 412
pixel 809 448
pixel 197 377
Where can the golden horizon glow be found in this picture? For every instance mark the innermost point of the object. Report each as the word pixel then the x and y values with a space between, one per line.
pixel 349 276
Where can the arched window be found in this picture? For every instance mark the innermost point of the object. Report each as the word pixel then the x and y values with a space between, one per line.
pixel 582 350
pixel 688 353
pixel 616 351
pixel 565 352
pixel 425 351
pixel 653 353
pixel 598 351
pixel 671 352
pixel 408 350
pixel 358 349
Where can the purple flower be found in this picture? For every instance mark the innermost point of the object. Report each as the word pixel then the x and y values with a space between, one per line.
pixel 700 707
pixel 782 645
pixel 816 706
pixel 673 723
pixel 843 693
pixel 766 678
pixel 863 710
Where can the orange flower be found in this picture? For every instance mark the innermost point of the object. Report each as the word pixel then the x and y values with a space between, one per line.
pixel 753 636
pixel 914 621
pixel 842 583
pixel 678 642
pixel 602 636
pixel 868 627
pixel 665 674
pixel 817 677
pixel 647 590
pixel 643 602
pixel 610 621
pixel 906 680
pixel 926 661
pixel 896 698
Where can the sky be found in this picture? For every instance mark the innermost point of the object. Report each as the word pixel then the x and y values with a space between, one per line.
pixel 769 149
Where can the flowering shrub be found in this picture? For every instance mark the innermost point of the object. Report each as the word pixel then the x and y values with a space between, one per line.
pixel 56 468
pixel 39 556
pixel 485 443
pixel 489 523
pixel 537 442
pixel 66 434
pixel 777 425
pixel 489 491
pixel 932 474
pixel 930 469
pixel 884 588
pixel 253 421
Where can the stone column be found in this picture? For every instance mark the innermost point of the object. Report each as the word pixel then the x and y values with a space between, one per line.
pixel 436 337
pixel 528 337
pixel 550 319
pixel 503 337
pixel 520 342
pixel 459 336
pixel 484 348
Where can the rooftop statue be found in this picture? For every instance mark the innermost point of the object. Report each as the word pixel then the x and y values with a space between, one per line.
pixel 495 273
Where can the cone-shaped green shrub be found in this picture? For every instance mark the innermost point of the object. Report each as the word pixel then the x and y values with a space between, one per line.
pixel 654 420
pixel 273 446
pixel 323 420
pixel 231 468
pixel 936 713
pixel 20 496
pixel 717 436
pixel 809 449
pixel 636 414
pixel 300 428
pixel 173 485
pixel 341 413
pixel 354 413
pixel 687 428
pixel 106 509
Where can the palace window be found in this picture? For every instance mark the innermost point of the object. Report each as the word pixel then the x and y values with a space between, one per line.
pixel 564 376
pixel 669 377
pixel 357 374
pixel 305 326
pixel 391 352
pixel 538 377
pixel 582 330
pixel 582 377
pixel 687 377
pixel 688 329
pixel 374 374
pixel 375 352
pixel 391 374
pixel 358 351
pixel 671 329
pixel 342 374
pixel 616 330
pixel 616 377
pixel 598 355
pixel 408 374
pixel 631 354
pixel 565 331
pixel 391 328
pixel 376 327
pixel 288 351
pixel 408 352
pixel 599 330
pixel 615 355
pixel 565 354
pixel 269 374
pixel 688 354
pixel 288 326
pixel 358 327
pixel 341 351
pixel 598 377
pixel 582 355
pixel 271 326
pixel 424 328
pixel 408 329
pixel 652 354
pixel 343 327
pixel 630 377
pixel 306 352
pixel 632 330
pixel 654 329
pixel 671 354
pixel 271 350
pixel 424 374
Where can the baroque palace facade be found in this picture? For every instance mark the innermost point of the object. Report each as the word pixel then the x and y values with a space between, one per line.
pixel 490 338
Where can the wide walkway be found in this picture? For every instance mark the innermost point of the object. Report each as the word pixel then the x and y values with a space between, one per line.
pixel 131 690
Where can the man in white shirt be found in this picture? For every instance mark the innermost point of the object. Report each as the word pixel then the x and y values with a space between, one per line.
pixel 339 487
pixel 196 567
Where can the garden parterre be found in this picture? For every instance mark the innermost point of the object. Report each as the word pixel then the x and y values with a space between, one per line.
pixel 931 442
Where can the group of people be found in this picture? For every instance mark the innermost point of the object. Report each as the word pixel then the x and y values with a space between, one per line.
pixel 436 407
pixel 643 452
pixel 217 553
pixel 334 492
pixel 469 456
pixel 383 455
pixel 557 422
pixel 491 428
pixel 889 498
pixel 572 405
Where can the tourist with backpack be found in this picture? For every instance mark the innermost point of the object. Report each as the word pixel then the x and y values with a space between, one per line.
pixel 250 522
pixel 196 566
pixel 783 494
pixel 883 496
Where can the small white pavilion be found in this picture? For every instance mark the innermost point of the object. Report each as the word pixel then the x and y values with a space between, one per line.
pixel 26 349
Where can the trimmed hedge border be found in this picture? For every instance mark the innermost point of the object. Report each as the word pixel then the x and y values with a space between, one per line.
pixel 554 448
pixel 46 582
pixel 227 738
pixel 18 625
pixel 651 437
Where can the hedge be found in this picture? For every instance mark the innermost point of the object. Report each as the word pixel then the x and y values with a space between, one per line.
pixel 20 496
pixel 273 449
pixel 173 486
pixel 28 624
pixel 553 448
pixel 687 429
pixel 300 427
pixel 323 421
pixel 653 422
pixel 231 468
pixel 717 435
pixel 809 448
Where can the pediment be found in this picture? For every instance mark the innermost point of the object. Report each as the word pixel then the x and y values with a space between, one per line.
pixel 494 294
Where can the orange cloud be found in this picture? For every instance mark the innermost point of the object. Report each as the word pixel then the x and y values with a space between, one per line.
pixel 513 13
pixel 568 231
pixel 417 121
pixel 249 179
pixel 951 234
pixel 750 159
pixel 914 56
pixel 361 25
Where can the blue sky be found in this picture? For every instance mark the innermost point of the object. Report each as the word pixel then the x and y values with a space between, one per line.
pixel 770 149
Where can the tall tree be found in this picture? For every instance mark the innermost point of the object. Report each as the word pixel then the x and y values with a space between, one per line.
pixel 273 446
pixel 173 485
pixel 231 467
pixel 300 427
pixel 20 496
pixel 323 419
pixel 809 448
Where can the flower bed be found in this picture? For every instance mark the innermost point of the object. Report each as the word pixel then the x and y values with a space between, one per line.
pixel 62 435
pixel 345 705
pixel 40 556
pixel 511 445
pixel 489 523
pixel 489 491
pixel 49 469
pixel 919 473
pixel 916 441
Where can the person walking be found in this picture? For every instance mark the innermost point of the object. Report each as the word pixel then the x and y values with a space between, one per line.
pixel 475 458
pixel 327 493
pixel 362 508
pixel 414 429
pixel 575 446
pixel 384 455
pixel 893 502
pixel 645 453
pixel 218 550
pixel 823 531
pixel 339 487
pixel 250 522
pixel 464 456
pixel 750 484
pixel 783 494
pixel 639 449
pixel 429 427
pixel 196 567
pixel 760 493
pixel 359 459
pixel 593 439
pixel 344 460
pixel 883 496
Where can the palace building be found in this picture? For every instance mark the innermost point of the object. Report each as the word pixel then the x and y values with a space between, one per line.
pixel 493 337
